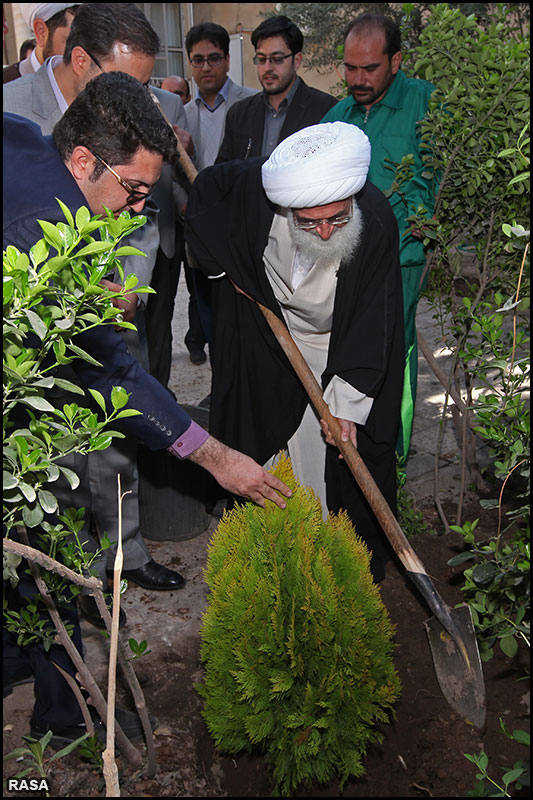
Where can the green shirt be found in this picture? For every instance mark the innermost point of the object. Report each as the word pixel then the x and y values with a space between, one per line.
pixel 392 127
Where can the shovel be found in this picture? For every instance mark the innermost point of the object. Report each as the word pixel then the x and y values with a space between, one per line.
pixel 451 631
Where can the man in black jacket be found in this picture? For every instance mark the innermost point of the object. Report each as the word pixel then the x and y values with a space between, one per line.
pixel 255 125
pixel 306 235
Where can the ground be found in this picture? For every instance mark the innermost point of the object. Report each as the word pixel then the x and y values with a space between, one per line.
pixel 422 750
pixel 422 753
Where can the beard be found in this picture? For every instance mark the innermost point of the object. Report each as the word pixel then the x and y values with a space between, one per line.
pixel 340 246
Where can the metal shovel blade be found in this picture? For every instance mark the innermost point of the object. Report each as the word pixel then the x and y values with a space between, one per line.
pixel 462 684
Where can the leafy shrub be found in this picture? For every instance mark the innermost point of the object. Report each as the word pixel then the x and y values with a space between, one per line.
pixel 296 640
pixel 497 588
pixel 48 297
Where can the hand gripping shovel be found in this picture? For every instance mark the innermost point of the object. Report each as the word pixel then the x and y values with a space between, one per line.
pixel 450 632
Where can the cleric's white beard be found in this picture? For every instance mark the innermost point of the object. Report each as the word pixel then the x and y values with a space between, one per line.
pixel 340 246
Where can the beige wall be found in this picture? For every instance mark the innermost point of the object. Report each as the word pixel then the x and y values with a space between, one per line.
pixel 17 32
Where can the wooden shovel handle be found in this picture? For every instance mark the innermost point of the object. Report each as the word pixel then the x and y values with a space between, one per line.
pixel 188 167
pixel 366 482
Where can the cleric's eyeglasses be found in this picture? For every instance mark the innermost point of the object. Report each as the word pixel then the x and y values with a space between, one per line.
pixel 276 59
pixel 213 59
pixel 337 220
pixel 134 196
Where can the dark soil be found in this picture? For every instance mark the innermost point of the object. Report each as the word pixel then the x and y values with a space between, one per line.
pixel 422 753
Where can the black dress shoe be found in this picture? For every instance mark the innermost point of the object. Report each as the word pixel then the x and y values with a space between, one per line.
pixel 64 735
pixel 197 356
pixel 20 677
pixel 89 611
pixel 155 577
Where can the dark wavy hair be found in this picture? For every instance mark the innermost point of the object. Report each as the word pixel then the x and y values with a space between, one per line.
pixel 280 26
pixel 97 26
pixel 114 116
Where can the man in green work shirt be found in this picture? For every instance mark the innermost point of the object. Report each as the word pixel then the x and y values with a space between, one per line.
pixel 387 106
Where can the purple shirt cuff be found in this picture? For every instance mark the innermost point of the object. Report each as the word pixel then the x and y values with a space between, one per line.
pixel 189 441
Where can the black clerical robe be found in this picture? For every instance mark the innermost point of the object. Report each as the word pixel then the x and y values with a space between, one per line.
pixel 257 401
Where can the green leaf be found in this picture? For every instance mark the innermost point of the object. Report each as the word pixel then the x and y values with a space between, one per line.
pixel 101 442
pixel 85 356
pixel 68 386
pixel 66 211
pixel 119 397
pixel 65 751
pixel 32 516
pixel 522 737
pixel 128 412
pixel 94 247
pixel 83 216
pixel 39 252
pixel 28 491
pixel 47 500
pixel 460 559
pixel 512 775
pixel 99 398
pixel 509 646
pixel 36 323
pixel 9 481
pixel 127 250
pixel 51 234
pixel 71 477
pixel 38 403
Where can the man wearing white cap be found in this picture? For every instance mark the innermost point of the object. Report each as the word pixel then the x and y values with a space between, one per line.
pixel 50 24
pixel 305 234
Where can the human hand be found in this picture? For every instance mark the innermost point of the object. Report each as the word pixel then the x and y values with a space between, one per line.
pixel 127 302
pixel 240 474
pixel 185 138
pixel 348 432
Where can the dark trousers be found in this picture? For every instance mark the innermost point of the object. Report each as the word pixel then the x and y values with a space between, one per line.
pixel 195 338
pixel 55 702
pixel 160 311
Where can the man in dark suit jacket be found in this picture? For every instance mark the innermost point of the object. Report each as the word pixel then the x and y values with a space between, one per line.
pixel 255 125
pixel 107 37
pixel 114 118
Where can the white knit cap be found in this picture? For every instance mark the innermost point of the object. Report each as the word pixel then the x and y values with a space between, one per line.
pixel 318 165
pixel 44 11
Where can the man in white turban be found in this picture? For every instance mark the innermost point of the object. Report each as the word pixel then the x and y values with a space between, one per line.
pixel 305 234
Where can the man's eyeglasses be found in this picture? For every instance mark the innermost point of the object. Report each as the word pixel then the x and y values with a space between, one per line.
pixel 93 58
pixel 337 220
pixel 277 59
pixel 213 60
pixel 134 196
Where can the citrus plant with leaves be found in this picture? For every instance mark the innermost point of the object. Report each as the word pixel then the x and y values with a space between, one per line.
pixel 477 137
pixel 49 296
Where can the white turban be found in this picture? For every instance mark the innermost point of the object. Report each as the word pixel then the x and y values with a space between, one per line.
pixel 318 165
pixel 44 11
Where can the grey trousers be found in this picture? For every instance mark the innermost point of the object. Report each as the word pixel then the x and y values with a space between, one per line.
pixel 98 488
